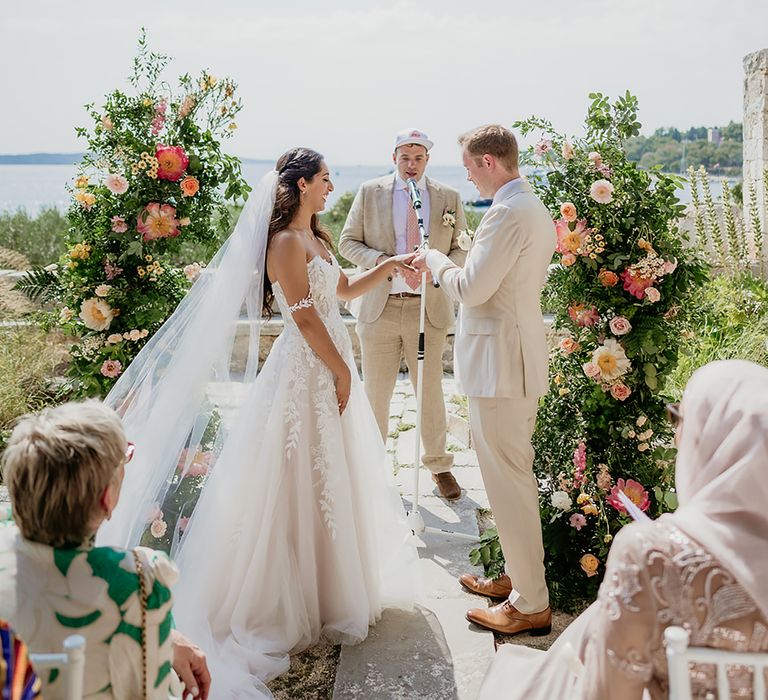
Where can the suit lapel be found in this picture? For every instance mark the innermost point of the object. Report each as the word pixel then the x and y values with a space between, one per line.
pixel 436 206
pixel 384 206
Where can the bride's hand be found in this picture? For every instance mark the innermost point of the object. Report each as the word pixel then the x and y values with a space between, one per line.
pixel 343 387
pixel 402 262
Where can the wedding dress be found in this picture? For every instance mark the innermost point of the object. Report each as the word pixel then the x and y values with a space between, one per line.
pixel 299 532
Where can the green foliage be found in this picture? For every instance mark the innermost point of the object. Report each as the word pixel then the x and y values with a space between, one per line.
pixel 488 554
pixel 153 187
pixel 622 295
pixel 673 150
pixel 42 239
pixel 334 220
pixel 39 284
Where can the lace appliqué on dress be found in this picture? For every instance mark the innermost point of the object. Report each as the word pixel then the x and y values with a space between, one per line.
pixel 304 303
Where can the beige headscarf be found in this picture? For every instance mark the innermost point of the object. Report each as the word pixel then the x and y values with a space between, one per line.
pixel 722 470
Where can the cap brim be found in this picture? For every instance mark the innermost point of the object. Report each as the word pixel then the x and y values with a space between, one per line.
pixel 416 142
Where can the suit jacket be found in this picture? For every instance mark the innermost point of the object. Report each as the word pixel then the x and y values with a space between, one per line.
pixel 501 347
pixel 369 232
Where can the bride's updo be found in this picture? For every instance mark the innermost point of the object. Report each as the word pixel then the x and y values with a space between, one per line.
pixel 291 167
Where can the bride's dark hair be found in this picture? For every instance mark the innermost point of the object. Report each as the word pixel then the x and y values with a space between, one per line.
pixel 291 167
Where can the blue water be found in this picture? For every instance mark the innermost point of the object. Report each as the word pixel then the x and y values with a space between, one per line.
pixel 32 187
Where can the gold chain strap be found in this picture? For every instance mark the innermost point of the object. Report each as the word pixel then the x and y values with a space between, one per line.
pixel 143 597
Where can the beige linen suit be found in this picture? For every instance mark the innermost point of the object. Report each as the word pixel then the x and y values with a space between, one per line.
pixel 501 357
pixel 388 327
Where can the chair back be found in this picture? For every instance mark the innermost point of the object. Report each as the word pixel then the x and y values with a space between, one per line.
pixel 680 655
pixel 71 663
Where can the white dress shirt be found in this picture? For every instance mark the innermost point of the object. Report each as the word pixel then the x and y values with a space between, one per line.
pixel 401 203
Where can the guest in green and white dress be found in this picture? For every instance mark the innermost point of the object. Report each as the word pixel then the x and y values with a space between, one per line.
pixel 64 469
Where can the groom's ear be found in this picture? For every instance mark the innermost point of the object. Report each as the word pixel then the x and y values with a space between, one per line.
pixel 489 162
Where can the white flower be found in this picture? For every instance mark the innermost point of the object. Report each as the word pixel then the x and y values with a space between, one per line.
pixel 114 338
pixel 611 360
pixel 144 332
pixel 464 239
pixel 66 315
pixel 116 184
pixel 601 191
pixel 640 422
pixel 646 435
pixel 96 314
pixel 135 334
pixel 643 446
pixel 192 271
pixel 449 219
pixel 102 290
pixel 561 500
pixel 158 528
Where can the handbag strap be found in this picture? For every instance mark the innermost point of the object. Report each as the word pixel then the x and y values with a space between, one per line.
pixel 143 599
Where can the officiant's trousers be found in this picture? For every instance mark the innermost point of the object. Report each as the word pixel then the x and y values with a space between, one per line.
pixel 501 432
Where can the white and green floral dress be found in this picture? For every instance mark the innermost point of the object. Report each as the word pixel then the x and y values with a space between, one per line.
pixel 49 594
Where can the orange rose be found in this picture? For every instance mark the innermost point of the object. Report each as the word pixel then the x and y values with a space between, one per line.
pixel 607 278
pixel 589 564
pixel 189 186
pixel 568 211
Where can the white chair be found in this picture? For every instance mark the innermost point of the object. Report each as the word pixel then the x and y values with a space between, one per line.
pixel 679 655
pixel 71 663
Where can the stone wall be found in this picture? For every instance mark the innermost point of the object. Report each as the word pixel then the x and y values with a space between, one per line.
pixel 756 130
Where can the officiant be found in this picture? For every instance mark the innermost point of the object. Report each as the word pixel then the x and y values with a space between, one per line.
pixel 382 223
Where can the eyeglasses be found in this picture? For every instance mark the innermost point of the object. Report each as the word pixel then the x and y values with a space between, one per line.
pixel 673 414
pixel 129 452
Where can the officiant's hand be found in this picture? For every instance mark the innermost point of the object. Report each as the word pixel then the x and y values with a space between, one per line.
pixel 419 263
pixel 343 388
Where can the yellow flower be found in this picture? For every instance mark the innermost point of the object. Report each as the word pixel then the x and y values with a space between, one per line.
pixel 608 538
pixel 583 498
pixel 232 126
pixel 589 509
pixel 558 379
pixel 563 391
pixel 148 102
pixel 140 271
pixel 148 258
pixel 85 199
pixel 589 564
pixel 81 182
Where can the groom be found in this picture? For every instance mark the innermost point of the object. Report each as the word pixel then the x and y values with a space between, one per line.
pixel 501 364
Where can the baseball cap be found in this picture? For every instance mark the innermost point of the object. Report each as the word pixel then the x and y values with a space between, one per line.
pixel 407 136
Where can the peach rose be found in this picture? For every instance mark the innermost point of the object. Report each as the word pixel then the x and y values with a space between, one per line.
pixel 569 345
pixel 189 186
pixel 589 564
pixel 568 259
pixel 591 370
pixel 596 158
pixel 567 150
pixel 607 278
pixel 620 391
pixel 568 211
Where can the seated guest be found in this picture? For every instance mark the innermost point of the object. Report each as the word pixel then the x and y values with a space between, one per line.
pixel 64 468
pixel 17 678
pixel 703 567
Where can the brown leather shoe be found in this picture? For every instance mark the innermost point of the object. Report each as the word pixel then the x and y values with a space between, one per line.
pixel 507 619
pixel 493 588
pixel 447 485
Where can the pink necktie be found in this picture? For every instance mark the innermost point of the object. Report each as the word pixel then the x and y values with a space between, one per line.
pixel 412 241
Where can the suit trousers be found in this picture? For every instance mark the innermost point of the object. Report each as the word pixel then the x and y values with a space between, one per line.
pixel 501 431
pixel 383 341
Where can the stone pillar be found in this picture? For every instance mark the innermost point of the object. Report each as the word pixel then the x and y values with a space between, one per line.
pixel 756 131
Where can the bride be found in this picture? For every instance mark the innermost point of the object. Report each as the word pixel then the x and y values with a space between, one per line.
pixel 299 532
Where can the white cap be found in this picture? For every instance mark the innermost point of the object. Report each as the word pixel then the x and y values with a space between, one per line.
pixel 407 136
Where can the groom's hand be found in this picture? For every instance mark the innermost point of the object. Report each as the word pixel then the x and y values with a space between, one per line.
pixel 419 263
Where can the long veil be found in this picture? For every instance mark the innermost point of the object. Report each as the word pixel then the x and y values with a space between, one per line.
pixel 177 398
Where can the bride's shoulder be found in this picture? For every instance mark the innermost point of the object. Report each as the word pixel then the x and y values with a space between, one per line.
pixel 287 243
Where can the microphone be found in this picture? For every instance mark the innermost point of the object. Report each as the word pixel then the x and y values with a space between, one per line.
pixel 413 193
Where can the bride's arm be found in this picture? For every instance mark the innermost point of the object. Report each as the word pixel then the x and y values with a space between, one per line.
pixel 288 259
pixel 352 287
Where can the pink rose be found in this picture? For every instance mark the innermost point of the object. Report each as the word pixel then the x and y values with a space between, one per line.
pixel 568 259
pixel 596 158
pixel 670 266
pixel 111 368
pixel 172 162
pixel 601 191
pixel 591 370
pixel 620 391
pixel 652 294
pixel 542 147
pixel 158 528
pixel 567 150
pixel 119 225
pixel 619 325
pixel 568 211
pixel 577 521
pixel 158 221
pixel 582 316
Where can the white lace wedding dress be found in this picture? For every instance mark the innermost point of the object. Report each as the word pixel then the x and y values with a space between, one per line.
pixel 300 532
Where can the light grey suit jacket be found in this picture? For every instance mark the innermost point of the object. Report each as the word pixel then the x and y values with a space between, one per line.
pixel 501 347
pixel 370 232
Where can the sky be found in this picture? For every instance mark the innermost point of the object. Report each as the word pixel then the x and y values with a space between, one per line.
pixel 344 76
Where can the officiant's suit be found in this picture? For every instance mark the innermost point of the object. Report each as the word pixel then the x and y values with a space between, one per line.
pixel 388 316
pixel 501 357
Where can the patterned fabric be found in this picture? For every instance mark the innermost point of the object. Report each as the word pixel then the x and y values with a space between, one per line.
pixel 17 679
pixel 92 591
pixel 661 577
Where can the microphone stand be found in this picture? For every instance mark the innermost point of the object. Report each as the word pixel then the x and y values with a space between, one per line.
pixel 413 517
